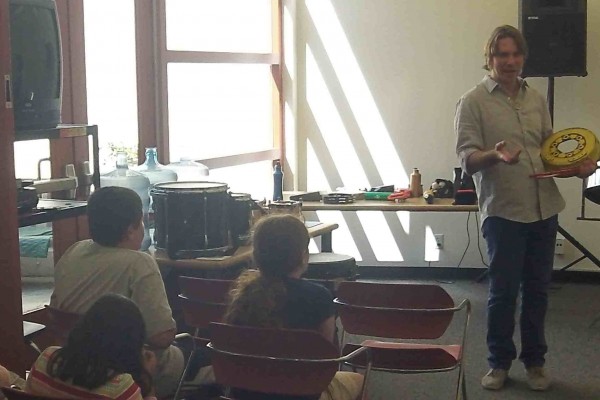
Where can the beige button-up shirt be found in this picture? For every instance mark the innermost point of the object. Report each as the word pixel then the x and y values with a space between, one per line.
pixel 485 115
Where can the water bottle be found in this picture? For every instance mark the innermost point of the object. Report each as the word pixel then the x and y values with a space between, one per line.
pixel 189 170
pixel 125 177
pixel 153 170
pixel 277 182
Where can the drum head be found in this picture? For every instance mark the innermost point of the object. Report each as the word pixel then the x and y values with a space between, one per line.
pixel 569 147
pixel 191 186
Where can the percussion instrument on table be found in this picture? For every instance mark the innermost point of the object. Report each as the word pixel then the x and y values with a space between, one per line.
pixel 240 217
pixel 191 219
pixel 286 207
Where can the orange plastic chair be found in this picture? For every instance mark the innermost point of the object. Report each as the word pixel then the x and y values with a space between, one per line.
pixel 403 311
pixel 275 361
pixel 18 394
pixel 60 323
pixel 202 301
pixel 211 290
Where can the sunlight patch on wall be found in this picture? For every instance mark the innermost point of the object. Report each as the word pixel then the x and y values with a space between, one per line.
pixel 404 217
pixel 316 180
pixel 289 40
pixel 382 242
pixel 291 142
pixel 331 126
pixel 342 241
pixel 432 253
pixel 357 92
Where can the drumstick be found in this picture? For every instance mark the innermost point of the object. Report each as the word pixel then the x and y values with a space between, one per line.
pixel 558 172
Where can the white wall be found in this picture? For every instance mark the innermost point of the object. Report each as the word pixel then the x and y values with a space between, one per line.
pixel 371 92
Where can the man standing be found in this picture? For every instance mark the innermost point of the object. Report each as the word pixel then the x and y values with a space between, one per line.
pixel 500 126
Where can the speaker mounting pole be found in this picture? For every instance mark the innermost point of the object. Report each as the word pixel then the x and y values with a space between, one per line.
pixel 550 98
pixel 586 253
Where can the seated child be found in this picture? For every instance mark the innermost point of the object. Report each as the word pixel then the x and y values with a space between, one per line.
pixel 104 357
pixel 277 297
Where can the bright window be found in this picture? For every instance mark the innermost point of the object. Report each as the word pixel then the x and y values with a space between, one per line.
pixel 111 77
pixel 242 26
pixel 219 109
pixel 222 66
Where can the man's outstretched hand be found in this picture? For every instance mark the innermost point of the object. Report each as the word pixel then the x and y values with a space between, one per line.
pixel 507 152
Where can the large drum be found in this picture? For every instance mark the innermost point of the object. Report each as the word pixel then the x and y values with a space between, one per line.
pixel 240 217
pixel 191 219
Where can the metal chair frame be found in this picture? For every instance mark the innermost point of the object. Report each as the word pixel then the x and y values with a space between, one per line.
pixel 281 333
pixel 199 293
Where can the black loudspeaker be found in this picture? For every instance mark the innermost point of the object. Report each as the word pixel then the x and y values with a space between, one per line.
pixel 555 31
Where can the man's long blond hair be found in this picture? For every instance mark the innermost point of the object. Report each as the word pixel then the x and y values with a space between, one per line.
pixel 502 32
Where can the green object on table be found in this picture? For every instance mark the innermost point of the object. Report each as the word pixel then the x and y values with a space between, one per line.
pixel 377 195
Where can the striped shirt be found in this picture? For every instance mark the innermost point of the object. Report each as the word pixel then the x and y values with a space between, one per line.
pixel 39 382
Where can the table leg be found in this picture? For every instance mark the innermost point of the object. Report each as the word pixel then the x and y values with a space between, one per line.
pixel 326 239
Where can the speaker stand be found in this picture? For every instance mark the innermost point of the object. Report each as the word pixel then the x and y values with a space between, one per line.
pixel 586 253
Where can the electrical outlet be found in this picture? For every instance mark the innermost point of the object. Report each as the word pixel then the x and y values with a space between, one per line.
pixel 559 247
pixel 439 241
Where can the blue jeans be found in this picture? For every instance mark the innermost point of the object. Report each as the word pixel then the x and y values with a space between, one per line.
pixel 521 256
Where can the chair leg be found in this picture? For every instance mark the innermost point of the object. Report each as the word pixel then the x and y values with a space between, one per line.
pixel 367 375
pixel 461 388
pixel 184 374
pixel 33 346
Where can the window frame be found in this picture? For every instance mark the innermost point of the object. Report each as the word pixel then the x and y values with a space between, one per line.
pixel 152 60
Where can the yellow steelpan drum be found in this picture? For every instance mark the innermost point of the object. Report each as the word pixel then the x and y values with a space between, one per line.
pixel 569 147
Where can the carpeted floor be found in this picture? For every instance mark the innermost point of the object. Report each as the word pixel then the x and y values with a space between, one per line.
pixel 572 360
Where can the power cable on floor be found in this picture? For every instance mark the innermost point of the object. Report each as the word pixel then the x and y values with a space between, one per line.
pixel 464 252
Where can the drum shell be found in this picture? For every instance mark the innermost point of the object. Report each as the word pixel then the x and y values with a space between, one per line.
pixel 240 217
pixel 286 207
pixel 191 218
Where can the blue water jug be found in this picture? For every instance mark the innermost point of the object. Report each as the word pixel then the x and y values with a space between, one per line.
pixel 155 171
pixel 189 170
pixel 124 177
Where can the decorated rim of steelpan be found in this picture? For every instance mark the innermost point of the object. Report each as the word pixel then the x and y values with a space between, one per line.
pixel 190 186
pixel 241 196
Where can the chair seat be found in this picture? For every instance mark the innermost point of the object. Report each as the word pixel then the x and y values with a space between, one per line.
pixel 330 266
pixel 408 357
pixel 593 194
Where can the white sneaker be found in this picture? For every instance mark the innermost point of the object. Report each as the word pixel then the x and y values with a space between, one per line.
pixel 537 378
pixel 494 379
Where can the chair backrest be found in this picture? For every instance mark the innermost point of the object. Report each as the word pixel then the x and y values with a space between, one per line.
pixel 209 290
pixel 198 313
pixel 17 394
pixel 61 322
pixel 275 361
pixel 402 311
